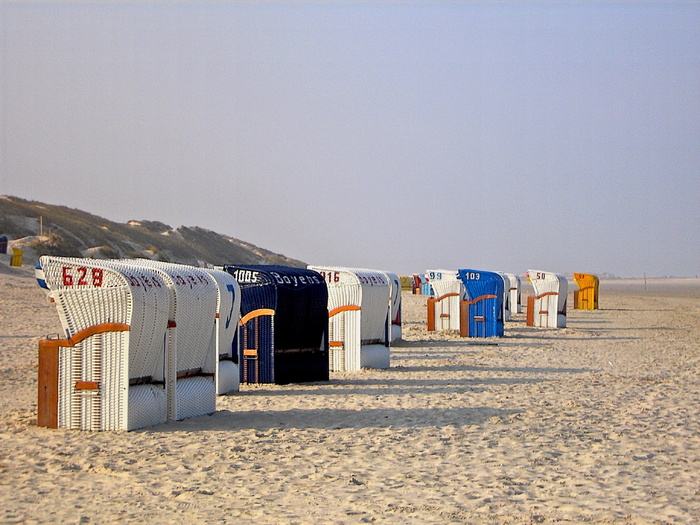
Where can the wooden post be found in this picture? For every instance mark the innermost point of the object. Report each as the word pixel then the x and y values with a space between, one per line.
pixel 464 318
pixel 431 315
pixel 47 408
pixel 530 321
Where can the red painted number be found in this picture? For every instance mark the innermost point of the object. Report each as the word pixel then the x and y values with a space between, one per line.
pixel 79 276
pixel 67 277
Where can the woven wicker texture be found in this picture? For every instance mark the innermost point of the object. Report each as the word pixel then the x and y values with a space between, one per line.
pixel 375 356
pixel 256 338
pixel 148 405
pixel 89 292
pixel 444 283
pixel 345 315
pixel 484 293
pixel 395 287
pixel 293 346
pixel 196 396
pixel 190 340
pixel 586 297
pixel 512 294
pixel 550 308
pixel 228 314
pixel 349 288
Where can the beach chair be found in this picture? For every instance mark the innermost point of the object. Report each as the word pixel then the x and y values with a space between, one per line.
pixel 396 287
pixel 443 308
pixel 284 328
pixel 225 341
pixel 109 372
pixel 547 308
pixel 359 310
pixel 190 337
pixel 482 310
pixel 406 283
pixel 513 292
pixel 586 297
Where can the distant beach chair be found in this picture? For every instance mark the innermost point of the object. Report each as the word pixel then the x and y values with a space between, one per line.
pixel 359 310
pixel 17 255
pixel 515 293
pixel 443 308
pixel 417 281
pixel 547 308
pixel 482 310
pixel 586 297
pixel 511 295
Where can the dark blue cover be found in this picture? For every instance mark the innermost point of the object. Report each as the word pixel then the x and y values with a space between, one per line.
pixel 293 348
pixel 485 313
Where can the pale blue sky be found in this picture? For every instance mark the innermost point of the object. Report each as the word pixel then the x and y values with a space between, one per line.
pixel 398 136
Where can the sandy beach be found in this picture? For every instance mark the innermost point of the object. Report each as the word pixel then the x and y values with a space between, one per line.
pixel 598 422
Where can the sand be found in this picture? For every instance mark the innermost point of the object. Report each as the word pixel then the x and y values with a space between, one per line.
pixel 598 422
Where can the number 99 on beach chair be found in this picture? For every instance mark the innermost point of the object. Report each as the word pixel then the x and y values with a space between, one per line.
pixel 444 309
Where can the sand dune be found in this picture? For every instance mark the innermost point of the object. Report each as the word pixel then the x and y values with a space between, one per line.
pixel 597 422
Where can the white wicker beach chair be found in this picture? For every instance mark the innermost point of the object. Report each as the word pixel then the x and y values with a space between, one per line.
pixel 359 317
pixel 443 309
pixel 228 315
pixel 514 292
pixel 395 287
pixel 547 308
pixel 192 359
pixel 108 374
